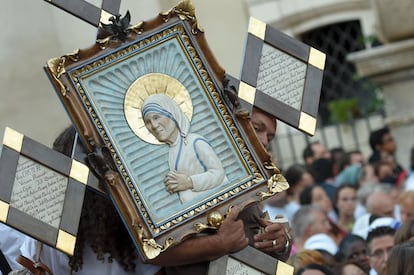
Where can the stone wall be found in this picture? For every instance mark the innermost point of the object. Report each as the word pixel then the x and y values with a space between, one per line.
pixel 35 31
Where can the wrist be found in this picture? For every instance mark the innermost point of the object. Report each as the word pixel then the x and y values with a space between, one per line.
pixel 189 183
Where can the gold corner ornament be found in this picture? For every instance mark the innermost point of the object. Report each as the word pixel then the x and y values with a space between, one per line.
pixel 257 28
pixel 284 269
pixel 317 58
pixel 4 211
pixel 79 172
pixel 13 139
pixel 151 248
pixel 307 123
pixel 275 184
pixel 57 68
pixel 66 242
pixel 185 10
pixel 247 92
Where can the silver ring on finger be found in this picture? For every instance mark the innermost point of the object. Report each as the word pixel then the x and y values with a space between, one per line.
pixel 274 242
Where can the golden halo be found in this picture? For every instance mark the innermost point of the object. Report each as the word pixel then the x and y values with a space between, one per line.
pixel 145 86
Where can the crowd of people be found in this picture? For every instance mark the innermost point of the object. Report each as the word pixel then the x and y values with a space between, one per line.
pixel 350 213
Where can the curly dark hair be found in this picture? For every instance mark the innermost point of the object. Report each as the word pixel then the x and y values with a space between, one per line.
pixel 100 226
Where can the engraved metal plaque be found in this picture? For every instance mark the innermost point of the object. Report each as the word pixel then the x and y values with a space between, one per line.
pixel 282 76
pixel 249 261
pixel 41 191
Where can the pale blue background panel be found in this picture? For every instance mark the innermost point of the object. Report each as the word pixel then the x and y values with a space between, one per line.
pixel 147 164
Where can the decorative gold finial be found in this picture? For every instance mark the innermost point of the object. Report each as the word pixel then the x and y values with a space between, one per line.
pixel 185 11
pixel 215 218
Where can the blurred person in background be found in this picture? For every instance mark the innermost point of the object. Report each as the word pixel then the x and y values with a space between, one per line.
pixel 409 181
pixel 405 233
pixel 380 141
pixel 306 257
pixel 345 205
pixel 316 195
pixel 314 151
pixel 325 244
pixel 380 241
pixel 348 269
pixel 405 202
pixel 338 156
pixel 400 261
pixel 308 221
pixel 381 204
pixel 383 148
pixel 353 250
pixel 314 269
pixel 321 170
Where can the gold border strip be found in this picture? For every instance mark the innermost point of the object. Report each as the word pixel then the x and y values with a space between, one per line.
pixel 65 242
pixel 79 172
pixel 307 123
pixel 317 58
pixel 13 139
pixel 4 211
pixel 284 269
pixel 257 28
pixel 247 92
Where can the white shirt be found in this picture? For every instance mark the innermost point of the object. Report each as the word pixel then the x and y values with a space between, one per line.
pixel 10 242
pixel 58 262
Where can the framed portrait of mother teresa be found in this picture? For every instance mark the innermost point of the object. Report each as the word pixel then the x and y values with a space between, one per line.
pixel 149 103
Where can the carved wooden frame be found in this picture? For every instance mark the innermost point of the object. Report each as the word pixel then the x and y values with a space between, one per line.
pixel 19 151
pixel 69 75
pixel 309 63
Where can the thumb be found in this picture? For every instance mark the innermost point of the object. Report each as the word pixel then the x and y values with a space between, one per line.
pixel 263 222
pixel 233 213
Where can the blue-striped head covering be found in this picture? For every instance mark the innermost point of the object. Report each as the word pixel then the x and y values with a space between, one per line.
pixel 167 107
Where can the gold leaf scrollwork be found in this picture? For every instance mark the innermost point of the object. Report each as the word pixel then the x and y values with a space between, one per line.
pixel 185 11
pixel 138 28
pixel 201 227
pixel 275 184
pixel 151 248
pixel 103 43
pixel 57 68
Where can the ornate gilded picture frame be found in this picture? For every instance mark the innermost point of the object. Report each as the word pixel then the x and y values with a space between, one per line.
pixel 147 101
pixel 282 76
pixel 41 191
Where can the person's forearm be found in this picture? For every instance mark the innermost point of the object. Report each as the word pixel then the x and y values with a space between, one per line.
pixel 193 250
pixel 230 237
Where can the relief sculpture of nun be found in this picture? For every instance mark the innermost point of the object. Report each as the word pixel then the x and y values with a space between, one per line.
pixel 194 166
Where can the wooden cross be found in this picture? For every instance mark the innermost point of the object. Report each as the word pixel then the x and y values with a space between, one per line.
pixel 87 11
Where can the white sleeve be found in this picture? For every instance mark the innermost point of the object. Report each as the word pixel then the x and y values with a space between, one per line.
pixel 57 261
pixel 214 172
